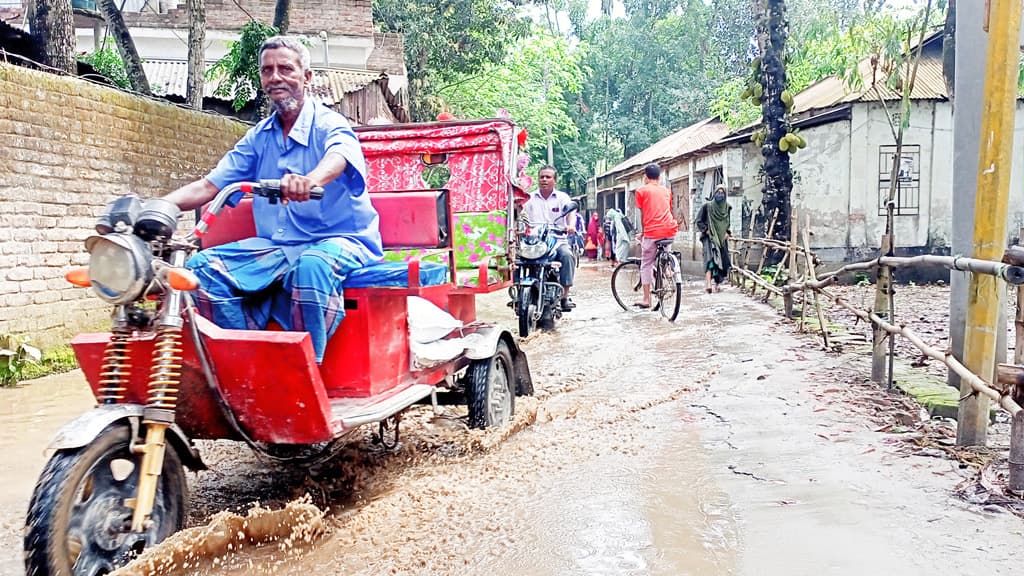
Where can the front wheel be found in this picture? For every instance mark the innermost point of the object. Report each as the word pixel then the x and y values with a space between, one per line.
pixel 626 286
pixel 78 521
pixel 490 392
pixel 525 309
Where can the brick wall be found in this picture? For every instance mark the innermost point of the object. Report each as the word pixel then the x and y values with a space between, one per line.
pixel 346 17
pixel 69 148
pixel 388 54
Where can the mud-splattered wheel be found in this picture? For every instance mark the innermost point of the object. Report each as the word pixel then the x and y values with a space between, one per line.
pixel 489 390
pixel 78 521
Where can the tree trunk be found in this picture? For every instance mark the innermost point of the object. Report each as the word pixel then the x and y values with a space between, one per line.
pixel 125 46
pixel 53 33
pixel 196 53
pixel 281 10
pixel 772 27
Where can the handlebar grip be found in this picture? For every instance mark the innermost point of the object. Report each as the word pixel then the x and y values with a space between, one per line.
pixel 271 188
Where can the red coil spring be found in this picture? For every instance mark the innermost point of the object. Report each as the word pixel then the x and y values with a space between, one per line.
pixel 116 369
pixel 165 376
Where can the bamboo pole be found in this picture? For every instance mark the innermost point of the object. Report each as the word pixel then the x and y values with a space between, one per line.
pixel 758 281
pixel 764 251
pixel 791 257
pixel 811 275
pixel 991 204
pixel 978 384
pixel 1008 272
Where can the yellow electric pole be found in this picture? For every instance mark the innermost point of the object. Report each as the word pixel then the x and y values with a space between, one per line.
pixel 986 293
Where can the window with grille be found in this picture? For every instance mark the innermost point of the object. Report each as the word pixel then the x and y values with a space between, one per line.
pixel 907 200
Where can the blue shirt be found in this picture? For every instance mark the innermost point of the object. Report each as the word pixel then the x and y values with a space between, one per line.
pixel 344 212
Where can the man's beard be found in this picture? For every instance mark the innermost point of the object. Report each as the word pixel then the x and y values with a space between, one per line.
pixel 289 104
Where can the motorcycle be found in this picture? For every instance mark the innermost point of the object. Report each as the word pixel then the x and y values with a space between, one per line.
pixel 537 291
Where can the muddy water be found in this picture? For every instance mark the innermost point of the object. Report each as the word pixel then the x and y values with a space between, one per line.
pixel 701 447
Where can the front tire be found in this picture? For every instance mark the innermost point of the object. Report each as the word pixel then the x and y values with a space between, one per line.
pixel 78 523
pixel 523 311
pixel 490 391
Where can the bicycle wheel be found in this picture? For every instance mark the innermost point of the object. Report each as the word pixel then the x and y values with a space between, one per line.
pixel 669 292
pixel 626 284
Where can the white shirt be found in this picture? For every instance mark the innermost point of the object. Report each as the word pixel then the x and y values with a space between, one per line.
pixel 540 210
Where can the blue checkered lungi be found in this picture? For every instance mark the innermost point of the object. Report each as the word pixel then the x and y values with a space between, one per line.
pixel 244 284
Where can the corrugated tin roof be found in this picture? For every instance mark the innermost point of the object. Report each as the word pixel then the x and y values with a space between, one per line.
pixel 170 78
pixel 683 142
pixel 929 85
pixel 329 85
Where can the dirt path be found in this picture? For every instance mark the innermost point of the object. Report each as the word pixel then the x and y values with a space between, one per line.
pixel 723 444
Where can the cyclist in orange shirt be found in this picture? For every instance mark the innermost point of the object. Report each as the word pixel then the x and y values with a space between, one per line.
pixel 655 204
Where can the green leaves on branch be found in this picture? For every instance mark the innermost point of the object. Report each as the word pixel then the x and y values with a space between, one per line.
pixel 449 39
pixel 535 83
pixel 107 61
pixel 238 72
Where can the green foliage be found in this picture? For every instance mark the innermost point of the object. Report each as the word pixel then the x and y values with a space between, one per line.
pixel 862 279
pixel 822 43
pixel 238 72
pixel 54 361
pixel 449 39
pixel 107 61
pixel 16 355
pixel 534 83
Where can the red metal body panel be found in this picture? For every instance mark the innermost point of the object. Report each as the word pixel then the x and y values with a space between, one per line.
pixel 370 351
pixel 269 379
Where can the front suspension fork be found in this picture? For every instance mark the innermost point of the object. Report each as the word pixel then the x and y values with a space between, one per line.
pixel 162 401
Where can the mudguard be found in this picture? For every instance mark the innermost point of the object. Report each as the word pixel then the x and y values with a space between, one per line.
pixel 486 346
pixel 87 427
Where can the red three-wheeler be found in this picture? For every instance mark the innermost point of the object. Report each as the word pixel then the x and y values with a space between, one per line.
pixel 163 376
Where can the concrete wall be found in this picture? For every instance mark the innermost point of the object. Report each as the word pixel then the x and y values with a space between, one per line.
pixel 71 147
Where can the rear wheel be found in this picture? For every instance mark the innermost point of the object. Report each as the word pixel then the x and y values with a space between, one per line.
pixel 490 391
pixel 626 284
pixel 78 522
pixel 669 294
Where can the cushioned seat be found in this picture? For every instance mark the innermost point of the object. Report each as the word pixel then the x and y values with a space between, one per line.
pixel 395 275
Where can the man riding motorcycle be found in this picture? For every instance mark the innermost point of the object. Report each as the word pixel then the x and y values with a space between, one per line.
pixel 545 206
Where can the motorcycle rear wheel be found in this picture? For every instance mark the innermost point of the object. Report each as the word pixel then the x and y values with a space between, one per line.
pixel 78 522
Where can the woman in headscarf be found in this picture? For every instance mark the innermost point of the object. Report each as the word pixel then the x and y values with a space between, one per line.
pixel 620 237
pixel 713 223
pixel 593 236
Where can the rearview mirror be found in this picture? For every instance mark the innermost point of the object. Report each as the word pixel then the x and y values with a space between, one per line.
pixel 570 207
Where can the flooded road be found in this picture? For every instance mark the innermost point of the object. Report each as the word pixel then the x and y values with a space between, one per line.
pixel 716 445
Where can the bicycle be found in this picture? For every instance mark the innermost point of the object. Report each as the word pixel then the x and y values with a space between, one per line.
pixel 668 282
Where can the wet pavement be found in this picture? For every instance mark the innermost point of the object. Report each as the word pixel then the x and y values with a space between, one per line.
pixel 714 445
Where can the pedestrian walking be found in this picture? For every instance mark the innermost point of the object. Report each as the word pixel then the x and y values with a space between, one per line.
pixel 713 223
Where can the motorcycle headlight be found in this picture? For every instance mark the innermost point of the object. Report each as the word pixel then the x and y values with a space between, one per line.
pixel 532 250
pixel 119 267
